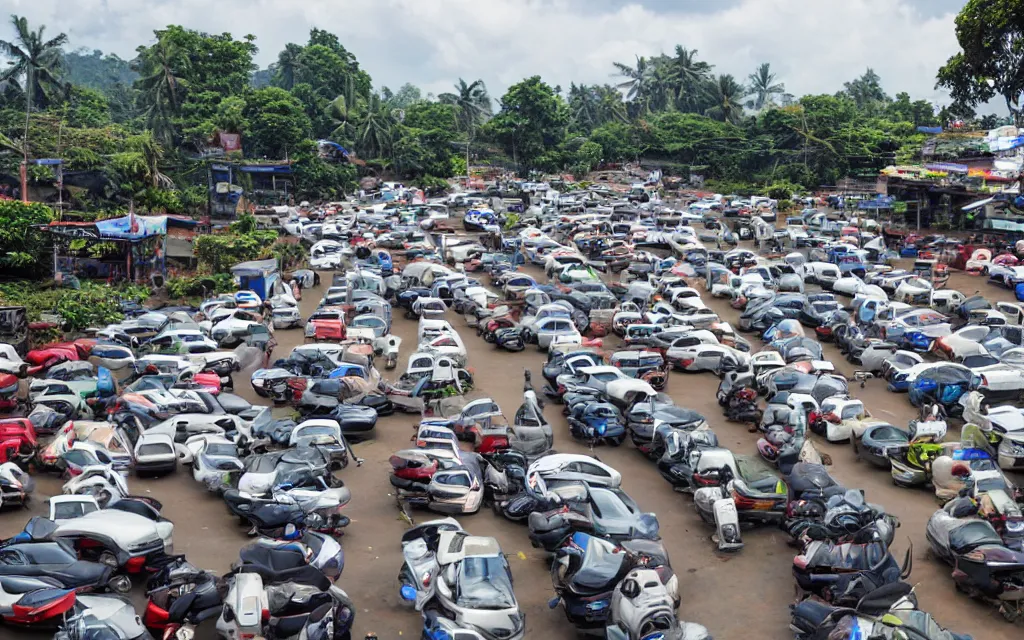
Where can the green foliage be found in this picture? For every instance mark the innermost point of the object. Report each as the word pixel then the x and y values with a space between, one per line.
pixel 991 37
pixel 199 285
pixel 97 71
pixel 218 252
pixel 277 123
pixel 532 122
pixel 21 247
pixel 92 305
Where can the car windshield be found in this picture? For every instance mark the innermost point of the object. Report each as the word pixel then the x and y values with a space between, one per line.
pixel 608 505
pixel 822 307
pixel 68 510
pixel 221 449
pixel 484 583
pixel 312 432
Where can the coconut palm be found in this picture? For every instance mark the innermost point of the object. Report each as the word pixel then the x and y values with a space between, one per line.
pixel 39 61
pixel 343 111
pixel 473 108
pixel 726 99
pixel 288 63
pixel 638 81
pixel 161 85
pixel 472 101
pixel 763 87
pixel 374 131
pixel 689 77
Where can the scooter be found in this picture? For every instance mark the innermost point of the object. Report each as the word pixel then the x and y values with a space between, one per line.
pixel 642 607
pixel 15 485
pixel 734 504
pixel 419 549
pixel 180 594
pixel 586 595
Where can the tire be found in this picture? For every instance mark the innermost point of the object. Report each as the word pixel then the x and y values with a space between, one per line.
pixel 615 442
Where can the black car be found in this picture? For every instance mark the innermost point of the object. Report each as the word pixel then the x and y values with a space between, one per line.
pixel 816 312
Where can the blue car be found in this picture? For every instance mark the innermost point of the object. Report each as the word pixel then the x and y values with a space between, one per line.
pixel 597 422
pixel 944 385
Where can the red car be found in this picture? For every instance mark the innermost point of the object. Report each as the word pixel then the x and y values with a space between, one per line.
pixel 18 440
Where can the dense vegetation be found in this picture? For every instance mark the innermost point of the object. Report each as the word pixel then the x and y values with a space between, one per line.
pixel 141 130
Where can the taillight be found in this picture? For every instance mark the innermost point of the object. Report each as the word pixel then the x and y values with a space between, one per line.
pixel 743 502
pixel 426 580
pixel 984 381
pixel 685 362
pixel 704 481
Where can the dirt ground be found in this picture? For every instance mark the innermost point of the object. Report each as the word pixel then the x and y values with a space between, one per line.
pixel 732 595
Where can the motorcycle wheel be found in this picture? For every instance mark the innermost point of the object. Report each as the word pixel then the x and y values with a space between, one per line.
pixel 616 441
pixel 120 584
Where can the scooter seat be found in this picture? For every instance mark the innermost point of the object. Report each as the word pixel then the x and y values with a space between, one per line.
pixel 24 584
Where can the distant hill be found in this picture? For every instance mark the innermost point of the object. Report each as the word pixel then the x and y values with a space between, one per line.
pixel 262 77
pixel 96 70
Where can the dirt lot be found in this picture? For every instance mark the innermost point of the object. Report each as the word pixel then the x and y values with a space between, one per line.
pixel 732 595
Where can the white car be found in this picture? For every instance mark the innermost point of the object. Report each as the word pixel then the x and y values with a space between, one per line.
pixel 1006 275
pixel 232 330
pixel 575 467
pixel 11 362
pixel 963 342
pixel 544 331
pixel 914 291
pixel 716 358
pixel 155 454
pixel 286 317
pixel 946 300
pixel 848 285
pixel 136 535
pixel 181 341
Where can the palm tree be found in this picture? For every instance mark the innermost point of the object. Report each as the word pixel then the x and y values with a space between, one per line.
pixel 763 87
pixel 374 133
pixel 638 81
pixel 162 84
pixel 689 76
pixel 342 111
pixel 288 64
pixel 39 61
pixel 727 94
pixel 473 108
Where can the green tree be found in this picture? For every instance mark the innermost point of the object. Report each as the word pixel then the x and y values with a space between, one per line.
pixel 37 62
pixel 288 62
pixel 277 122
pixel 161 84
pixel 474 108
pixel 689 78
pixel 991 60
pixel 21 245
pixel 866 91
pixel 727 96
pixel 638 82
pixel 532 121
pixel 763 87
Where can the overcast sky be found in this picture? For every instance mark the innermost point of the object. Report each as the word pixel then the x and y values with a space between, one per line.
pixel 814 45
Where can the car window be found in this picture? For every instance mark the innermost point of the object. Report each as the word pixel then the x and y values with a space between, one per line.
pixel 68 510
pixel 606 376
pixel 607 505
pixel 155 449
pixel 592 469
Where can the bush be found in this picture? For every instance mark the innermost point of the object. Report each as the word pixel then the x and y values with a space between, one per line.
pixel 92 305
pixel 189 286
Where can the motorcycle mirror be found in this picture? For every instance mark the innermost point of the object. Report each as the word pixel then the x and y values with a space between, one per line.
pixel 552 603
pixel 359 462
pixel 408 593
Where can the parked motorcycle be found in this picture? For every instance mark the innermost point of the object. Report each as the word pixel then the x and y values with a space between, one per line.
pixel 983 566
pixel 642 607
pixel 180 594
pixel 597 422
pixel 586 570
pixel 842 574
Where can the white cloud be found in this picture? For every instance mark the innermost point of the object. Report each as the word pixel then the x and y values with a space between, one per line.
pixel 815 45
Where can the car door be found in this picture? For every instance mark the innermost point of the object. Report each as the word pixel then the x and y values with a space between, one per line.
pixel 709 359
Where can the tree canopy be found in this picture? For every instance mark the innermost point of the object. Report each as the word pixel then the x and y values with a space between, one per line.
pixel 144 129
